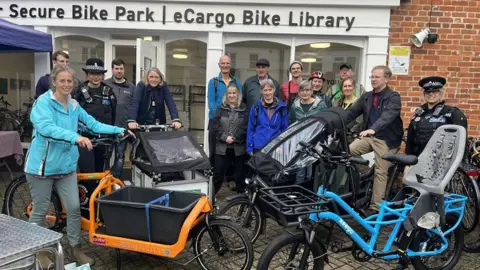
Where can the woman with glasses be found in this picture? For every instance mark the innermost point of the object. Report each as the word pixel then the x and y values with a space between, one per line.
pixel 306 105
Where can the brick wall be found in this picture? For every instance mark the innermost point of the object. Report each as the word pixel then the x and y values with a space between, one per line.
pixel 455 56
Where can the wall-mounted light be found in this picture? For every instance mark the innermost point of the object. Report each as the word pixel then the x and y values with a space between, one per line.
pixel 65 51
pixel 320 45
pixel 147 38
pixel 308 60
pixel 180 56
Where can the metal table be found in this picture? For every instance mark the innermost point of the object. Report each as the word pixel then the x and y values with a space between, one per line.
pixel 20 240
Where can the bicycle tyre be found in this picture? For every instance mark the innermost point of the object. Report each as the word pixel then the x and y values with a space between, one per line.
pixel 257 213
pixel 216 223
pixel 10 193
pixel 472 205
pixel 285 239
pixel 459 235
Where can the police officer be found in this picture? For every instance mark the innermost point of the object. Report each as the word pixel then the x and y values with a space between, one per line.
pixel 431 115
pixel 98 100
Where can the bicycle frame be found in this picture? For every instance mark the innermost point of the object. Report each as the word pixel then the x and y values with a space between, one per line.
pixel 84 223
pixel 374 223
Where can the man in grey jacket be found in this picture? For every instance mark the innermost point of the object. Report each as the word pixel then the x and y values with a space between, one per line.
pixel 251 87
pixel 123 90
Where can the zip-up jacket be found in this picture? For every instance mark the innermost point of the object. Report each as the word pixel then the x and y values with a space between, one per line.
pixel 124 93
pixel 262 129
pixel 296 111
pixel 142 100
pixel 53 150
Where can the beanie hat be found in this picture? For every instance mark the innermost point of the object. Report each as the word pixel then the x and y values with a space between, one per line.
pixel 295 62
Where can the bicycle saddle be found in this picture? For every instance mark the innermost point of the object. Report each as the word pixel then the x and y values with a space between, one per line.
pixel 401 159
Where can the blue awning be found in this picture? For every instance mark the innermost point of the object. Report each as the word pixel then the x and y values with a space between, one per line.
pixel 16 38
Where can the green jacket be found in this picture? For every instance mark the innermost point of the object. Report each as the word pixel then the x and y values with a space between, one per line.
pixel 296 111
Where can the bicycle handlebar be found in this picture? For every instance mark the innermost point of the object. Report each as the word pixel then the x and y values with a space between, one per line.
pixel 312 151
pixel 107 140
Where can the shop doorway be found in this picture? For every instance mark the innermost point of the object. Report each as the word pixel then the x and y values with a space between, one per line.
pixel 128 54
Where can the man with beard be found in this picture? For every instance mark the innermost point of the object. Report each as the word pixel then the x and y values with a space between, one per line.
pixel 123 90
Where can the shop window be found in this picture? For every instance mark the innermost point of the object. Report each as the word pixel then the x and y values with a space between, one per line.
pixel 80 48
pixel 186 72
pixel 233 59
pixel 17 79
pixel 327 57
pixel 277 54
pixel 253 60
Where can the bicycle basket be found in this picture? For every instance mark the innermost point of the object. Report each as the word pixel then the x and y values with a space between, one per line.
pixel 287 203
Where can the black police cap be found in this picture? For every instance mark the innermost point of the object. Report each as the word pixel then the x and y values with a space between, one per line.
pixel 433 83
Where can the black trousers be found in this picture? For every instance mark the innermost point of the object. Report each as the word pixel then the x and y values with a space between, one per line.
pixel 222 163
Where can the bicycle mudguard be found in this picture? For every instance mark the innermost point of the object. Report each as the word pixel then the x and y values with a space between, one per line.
pixel 235 196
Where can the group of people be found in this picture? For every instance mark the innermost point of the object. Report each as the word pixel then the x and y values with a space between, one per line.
pixel 243 118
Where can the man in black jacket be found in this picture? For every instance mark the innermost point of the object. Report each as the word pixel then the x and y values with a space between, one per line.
pixel 123 90
pixel 383 127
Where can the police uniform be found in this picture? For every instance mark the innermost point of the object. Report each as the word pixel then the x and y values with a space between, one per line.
pixel 425 121
pixel 101 104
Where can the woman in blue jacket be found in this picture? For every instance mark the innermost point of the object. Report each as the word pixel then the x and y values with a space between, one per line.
pixel 268 118
pixel 148 103
pixel 53 154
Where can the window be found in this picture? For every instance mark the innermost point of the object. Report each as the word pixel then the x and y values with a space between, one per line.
pixel 253 60
pixel 277 54
pixel 328 59
pixel 233 58
pixel 17 79
pixel 186 79
pixel 80 48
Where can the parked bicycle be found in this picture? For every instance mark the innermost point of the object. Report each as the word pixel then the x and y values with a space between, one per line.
pixel 217 243
pixel 424 217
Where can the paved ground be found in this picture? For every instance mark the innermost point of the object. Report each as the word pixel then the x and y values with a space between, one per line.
pixel 106 258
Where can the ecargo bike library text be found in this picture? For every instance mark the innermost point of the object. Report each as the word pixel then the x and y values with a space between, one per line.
pixel 188 15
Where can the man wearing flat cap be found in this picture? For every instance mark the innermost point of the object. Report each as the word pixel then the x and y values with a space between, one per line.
pixel 251 87
pixel 431 115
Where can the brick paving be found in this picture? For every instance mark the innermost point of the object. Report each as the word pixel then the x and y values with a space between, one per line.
pixel 106 257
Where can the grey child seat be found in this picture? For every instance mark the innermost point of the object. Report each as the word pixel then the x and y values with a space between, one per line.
pixel 439 160
pixel 435 168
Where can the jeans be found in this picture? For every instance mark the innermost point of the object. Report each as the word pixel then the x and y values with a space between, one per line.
pixel 67 189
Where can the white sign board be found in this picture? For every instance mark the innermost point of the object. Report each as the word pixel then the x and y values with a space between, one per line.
pixel 399 60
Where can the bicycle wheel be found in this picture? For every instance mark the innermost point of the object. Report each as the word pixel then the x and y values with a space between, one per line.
pixel 295 244
pixel 425 240
pixel 18 203
pixel 461 183
pixel 221 251
pixel 237 209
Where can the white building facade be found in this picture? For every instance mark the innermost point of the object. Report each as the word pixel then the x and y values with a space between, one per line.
pixel 186 38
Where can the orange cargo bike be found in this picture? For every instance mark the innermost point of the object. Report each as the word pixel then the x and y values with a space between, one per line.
pixel 146 220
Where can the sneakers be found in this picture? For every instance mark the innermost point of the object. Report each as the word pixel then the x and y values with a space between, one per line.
pixel 80 257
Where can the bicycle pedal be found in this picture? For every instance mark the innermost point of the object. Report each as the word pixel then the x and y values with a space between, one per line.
pixel 337 246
